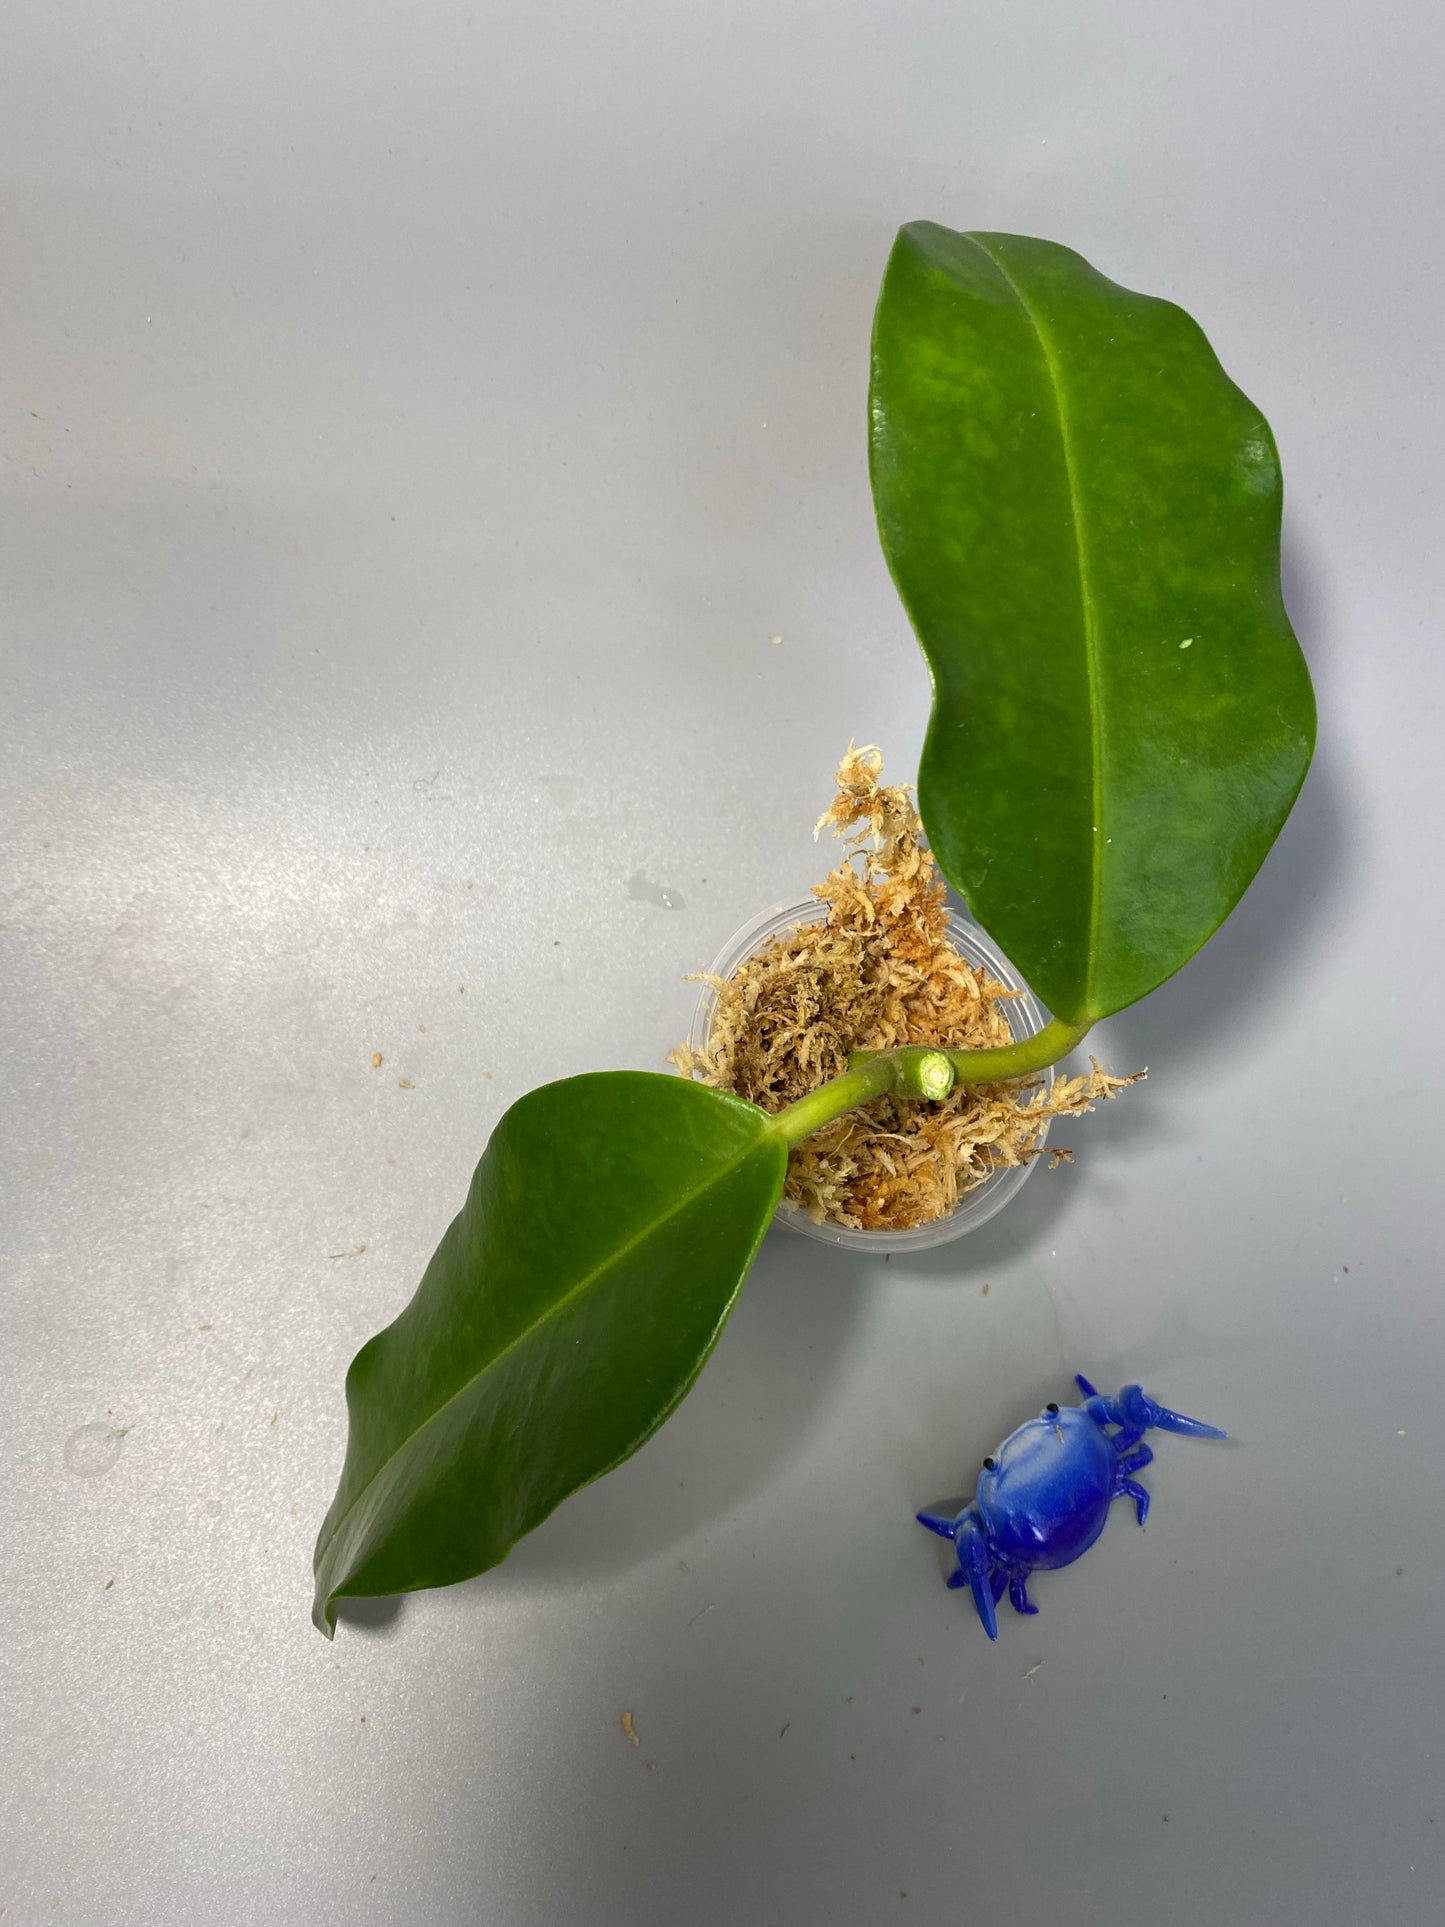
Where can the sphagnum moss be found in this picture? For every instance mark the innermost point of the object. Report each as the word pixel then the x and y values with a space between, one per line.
pixel 877 972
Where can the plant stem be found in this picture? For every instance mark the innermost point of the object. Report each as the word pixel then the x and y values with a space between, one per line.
pixel 910 1072
pixel 1018 1059
pixel 915 1071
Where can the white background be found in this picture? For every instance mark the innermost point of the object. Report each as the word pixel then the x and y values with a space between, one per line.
pixel 418 422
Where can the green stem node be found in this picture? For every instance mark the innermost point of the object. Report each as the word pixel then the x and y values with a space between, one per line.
pixel 911 1072
pixel 918 1072
pixel 1019 1059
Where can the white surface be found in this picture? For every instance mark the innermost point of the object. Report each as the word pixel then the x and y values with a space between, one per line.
pixel 418 423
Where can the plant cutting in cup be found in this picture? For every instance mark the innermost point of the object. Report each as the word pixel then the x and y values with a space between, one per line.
pixel 1081 513
pixel 876 961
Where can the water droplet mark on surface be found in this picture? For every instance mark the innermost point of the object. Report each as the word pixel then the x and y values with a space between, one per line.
pixel 645 891
pixel 92 1450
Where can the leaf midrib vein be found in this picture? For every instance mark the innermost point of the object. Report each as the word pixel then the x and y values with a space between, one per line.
pixel 552 1311
pixel 1090 621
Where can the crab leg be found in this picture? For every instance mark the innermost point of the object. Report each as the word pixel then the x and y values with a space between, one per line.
pixel 1019 1595
pixel 1130 1489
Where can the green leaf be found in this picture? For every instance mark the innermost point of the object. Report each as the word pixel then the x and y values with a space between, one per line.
pixel 1081 512
pixel 607 1232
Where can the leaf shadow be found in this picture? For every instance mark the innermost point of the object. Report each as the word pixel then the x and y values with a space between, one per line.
pixel 755 1400
pixel 1005 1349
pixel 377 1617
pixel 1239 984
pixel 765 1385
pixel 1033 1216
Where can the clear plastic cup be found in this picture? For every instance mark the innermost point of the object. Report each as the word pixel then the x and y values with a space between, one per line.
pixel 1026 1018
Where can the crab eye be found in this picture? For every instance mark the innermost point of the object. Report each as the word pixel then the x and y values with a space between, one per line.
pixel 1051 1408
pixel 989 1464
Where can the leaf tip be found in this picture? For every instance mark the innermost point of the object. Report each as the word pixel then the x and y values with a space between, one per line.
pixel 323 1614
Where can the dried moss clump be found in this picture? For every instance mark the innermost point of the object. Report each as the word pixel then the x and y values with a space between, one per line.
pixel 877 971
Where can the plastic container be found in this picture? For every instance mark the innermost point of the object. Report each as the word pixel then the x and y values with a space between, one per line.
pixel 1026 1018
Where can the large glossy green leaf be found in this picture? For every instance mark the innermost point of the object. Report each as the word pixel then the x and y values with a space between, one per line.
pixel 607 1231
pixel 1081 512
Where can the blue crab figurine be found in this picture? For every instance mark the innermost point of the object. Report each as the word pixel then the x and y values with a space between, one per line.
pixel 1045 1494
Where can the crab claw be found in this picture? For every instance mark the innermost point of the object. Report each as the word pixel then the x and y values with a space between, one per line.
pixel 1134 1412
pixel 1167 1421
pixel 936 1523
pixel 974 1564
